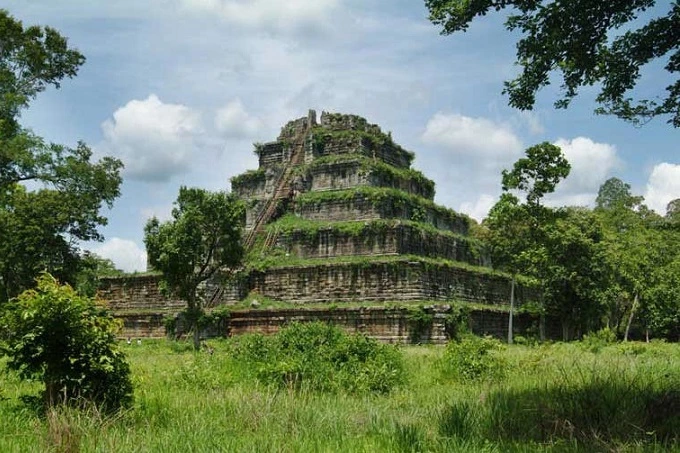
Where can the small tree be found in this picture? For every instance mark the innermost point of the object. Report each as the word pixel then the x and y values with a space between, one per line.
pixel 203 236
pixel 536 175
pixel 68 342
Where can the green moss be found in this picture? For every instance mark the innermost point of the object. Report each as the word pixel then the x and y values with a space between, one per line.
pixel 381 197
pixel 249 177
pixel 376 140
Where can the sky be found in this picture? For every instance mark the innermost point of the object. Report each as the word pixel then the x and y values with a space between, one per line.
pixel 179 90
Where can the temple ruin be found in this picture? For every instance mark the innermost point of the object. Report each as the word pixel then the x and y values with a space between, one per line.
pixel 340 227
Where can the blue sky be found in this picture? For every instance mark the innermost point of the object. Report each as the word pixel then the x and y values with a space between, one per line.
pixel 180 89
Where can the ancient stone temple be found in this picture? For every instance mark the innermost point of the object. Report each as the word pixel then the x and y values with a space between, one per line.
pixel 342 228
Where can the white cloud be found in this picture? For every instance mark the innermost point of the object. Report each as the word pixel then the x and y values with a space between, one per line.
pixel 469 155
pixel 663 186
pixel 125 254
pixel 272 15
pixel 471 136
pixel 532 122
pixel 233 121
pixel 591 164
pixel 154 140
pixel 479 208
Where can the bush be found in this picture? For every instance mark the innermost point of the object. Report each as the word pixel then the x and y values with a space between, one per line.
pixel 473 358
pixel 68 342
pixel 317 356
pixel 595 341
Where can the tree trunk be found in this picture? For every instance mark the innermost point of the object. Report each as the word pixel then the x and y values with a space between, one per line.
pixel 512 308
pixel 630 318
pixel 197 336
pixel 51 393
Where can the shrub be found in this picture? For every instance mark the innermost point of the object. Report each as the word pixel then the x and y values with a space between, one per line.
pixel 595 341
pixel 68 342
pixel 473 358
pixel 318 356
pixel 420 322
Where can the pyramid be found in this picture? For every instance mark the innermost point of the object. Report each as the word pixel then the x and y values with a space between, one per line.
pixel 336 213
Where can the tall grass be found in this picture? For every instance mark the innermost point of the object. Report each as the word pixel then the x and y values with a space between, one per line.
pixel 560 397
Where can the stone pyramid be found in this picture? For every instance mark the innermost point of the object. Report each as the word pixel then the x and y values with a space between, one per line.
pixel 335 214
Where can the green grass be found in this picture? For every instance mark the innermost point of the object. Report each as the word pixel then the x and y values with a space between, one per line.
pixel 559 397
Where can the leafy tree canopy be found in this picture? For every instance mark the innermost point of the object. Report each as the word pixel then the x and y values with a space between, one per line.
pixel 40 228
pixel 538 173
pixel 203 236
pixel 614 193
pixel 589 42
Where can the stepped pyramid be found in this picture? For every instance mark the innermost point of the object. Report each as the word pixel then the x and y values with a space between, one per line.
pixel 341 229
pixel 335 213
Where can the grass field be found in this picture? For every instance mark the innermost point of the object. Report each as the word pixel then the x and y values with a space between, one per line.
pixel 559 397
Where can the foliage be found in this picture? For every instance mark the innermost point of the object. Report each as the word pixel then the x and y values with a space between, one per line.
pixel 39 228
pixel 640 252
pixel 575 270
pixel 203 237
pixel 589 42
pixel 320 357
pixel 249 177
pixel 383 198
pixel 615 194
pixel 420 322
pixel 92 268
pixel 203 402
pixel 457 322
pixel 68 342
pixel 538 173
pixel 472 358
pixel 595 341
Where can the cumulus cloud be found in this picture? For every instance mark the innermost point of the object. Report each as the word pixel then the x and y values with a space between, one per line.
pixel 470 154
pixel 465 135
pixel 591 164
pixel 663 186
pixel 233 121
pixel 479 208
pixel 153 139
pixel 125 254
pixel 272 15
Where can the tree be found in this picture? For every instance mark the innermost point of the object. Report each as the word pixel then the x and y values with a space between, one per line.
pixel 40 228
pixel 68 342
pixel 537 174
pixel 589 42
pixel 637 249
pixel 91 269
pixel 614 193
pixel 507 235
pixel 673 211
pixel 575 271
pixel 203 236
pixel 514 229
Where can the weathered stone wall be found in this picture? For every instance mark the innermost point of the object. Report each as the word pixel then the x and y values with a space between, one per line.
pixel 333 145
pixel 339 122
pixel 387 281
pixel 394 240
pixel 346 175
pixel 361 208
pixel 147 325
pixel 386 324
pixel 139 292
pixel 272 154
